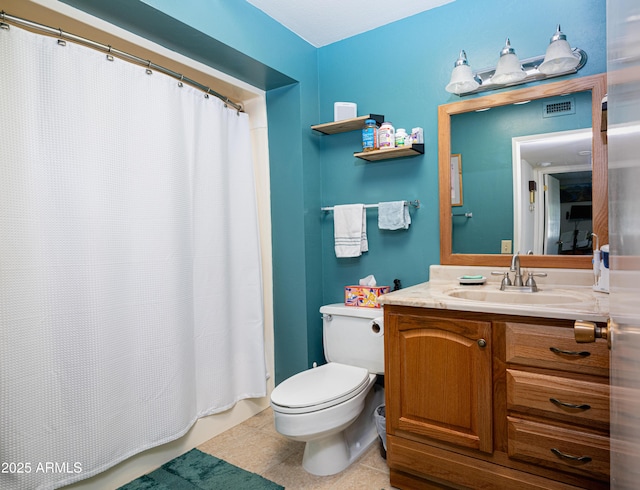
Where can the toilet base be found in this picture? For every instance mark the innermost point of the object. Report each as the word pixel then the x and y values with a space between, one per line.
pixel 326 456
pixel 335 452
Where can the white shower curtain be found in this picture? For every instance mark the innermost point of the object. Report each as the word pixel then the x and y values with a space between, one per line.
pixel 130 287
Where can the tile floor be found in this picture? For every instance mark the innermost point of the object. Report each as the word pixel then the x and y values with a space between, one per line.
pixel 256 446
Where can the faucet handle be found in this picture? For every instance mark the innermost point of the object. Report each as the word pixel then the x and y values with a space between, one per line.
pixel 537 274
pixel 506 280
pixel 531 281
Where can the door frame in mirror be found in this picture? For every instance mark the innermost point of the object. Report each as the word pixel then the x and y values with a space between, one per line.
pixel 530 221
pixel 597 84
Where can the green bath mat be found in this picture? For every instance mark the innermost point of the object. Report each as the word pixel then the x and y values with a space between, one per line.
pixel 196 470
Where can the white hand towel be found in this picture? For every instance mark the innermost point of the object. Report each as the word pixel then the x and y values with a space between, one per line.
pixel 350 230
pixel 393 215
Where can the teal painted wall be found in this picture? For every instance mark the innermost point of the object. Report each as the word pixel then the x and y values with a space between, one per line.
pixel 483 139
pixel 399 70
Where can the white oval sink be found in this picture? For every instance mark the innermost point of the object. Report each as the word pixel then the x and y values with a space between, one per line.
pixel 549 297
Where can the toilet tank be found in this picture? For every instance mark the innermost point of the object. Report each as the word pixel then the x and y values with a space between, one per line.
pixel 354 336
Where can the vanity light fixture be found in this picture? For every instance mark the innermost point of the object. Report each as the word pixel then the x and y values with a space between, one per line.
pixel 558 60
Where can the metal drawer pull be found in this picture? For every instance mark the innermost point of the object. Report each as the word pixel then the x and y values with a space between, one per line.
pixel 578 459
pixel 558 403
pixel 570 352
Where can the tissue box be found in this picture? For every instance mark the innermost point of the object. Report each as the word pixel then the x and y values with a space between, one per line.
pixel 344 110
pixel 365 296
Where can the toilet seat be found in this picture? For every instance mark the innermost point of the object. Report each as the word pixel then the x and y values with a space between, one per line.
pixel 319 388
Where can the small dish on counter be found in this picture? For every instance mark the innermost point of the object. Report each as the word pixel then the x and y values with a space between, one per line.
pixel 472 280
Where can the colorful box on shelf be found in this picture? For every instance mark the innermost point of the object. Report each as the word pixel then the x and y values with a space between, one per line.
pixel 364 296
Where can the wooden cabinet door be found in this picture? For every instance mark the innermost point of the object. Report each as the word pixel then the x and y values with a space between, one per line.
pixel 438 378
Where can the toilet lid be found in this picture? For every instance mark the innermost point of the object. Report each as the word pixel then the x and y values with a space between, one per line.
pixel 326 383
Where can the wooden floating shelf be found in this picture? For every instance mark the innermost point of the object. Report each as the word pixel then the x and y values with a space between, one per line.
pixel 346 125
pixel 400 152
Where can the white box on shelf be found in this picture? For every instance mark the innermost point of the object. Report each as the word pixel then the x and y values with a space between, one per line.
pixel 344 110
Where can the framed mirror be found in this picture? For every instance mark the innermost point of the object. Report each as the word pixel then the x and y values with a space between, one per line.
pixel 535 176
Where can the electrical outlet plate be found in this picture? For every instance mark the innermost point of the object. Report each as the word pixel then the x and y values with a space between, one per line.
pixel 505 247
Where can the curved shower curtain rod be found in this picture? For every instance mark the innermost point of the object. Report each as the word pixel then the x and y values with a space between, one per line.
pixel 4 17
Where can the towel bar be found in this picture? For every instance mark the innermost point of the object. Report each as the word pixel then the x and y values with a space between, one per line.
pixel 415 203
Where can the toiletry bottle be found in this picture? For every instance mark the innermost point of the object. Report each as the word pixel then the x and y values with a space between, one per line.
pixel 387 136
pixel 401 137
pixel 417 135
pixel 370 135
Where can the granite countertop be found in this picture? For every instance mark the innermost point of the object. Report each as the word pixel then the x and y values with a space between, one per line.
pixel 583 304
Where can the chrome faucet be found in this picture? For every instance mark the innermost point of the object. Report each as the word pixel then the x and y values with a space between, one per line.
pixel 518 284
pixel 515 267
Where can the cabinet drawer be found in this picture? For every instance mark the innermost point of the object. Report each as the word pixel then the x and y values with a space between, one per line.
pixel 555 447
pixel 557 397
pixel 554 348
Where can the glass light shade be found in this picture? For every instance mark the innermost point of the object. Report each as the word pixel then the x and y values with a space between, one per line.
pixel 462 80
pixel 559 57
pixel 509 69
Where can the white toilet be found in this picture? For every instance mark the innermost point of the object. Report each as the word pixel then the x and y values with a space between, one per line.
pixel 331 407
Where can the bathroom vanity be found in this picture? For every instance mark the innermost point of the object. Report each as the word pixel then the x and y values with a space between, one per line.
pixel 497 393
pixel 488 389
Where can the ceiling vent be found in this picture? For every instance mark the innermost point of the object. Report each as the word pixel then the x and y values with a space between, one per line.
pixel 559 107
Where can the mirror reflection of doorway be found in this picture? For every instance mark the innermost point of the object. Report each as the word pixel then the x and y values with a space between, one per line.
pixel 551 214
pixel 554 218
pixel 568 217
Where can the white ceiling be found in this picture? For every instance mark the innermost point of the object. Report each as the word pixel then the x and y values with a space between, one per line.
pixel 322 22
pixel 563 149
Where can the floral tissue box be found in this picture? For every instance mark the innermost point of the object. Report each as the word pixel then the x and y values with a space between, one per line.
pixel 364 296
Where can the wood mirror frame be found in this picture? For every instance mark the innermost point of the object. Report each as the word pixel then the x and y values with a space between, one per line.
pixel 597 84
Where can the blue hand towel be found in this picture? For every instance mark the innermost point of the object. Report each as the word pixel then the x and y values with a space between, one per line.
pixel 350 230
pixel 393 215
